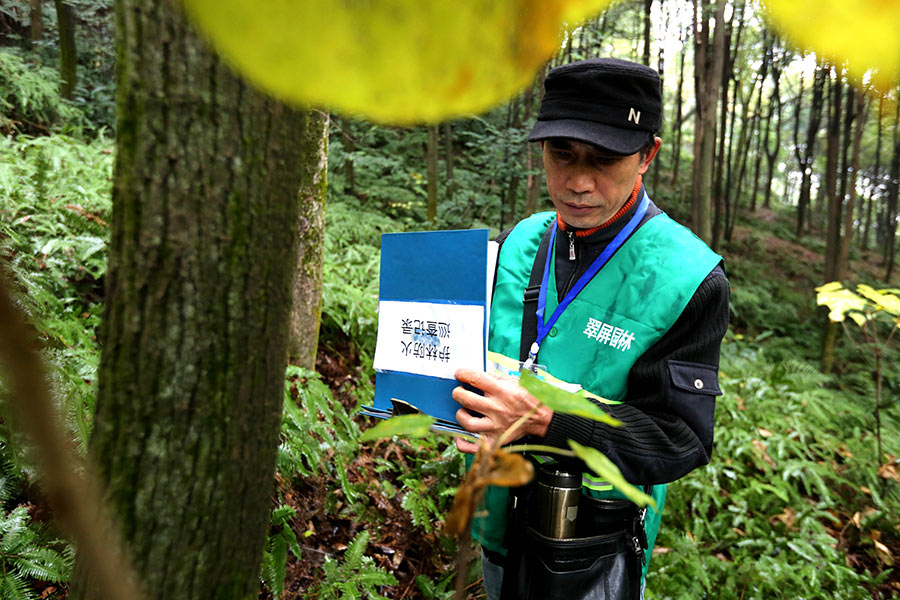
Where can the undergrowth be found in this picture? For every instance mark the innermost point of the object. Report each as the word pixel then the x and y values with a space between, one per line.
pixel 792 504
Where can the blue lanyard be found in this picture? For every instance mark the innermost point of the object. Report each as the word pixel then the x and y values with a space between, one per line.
pixel 599 262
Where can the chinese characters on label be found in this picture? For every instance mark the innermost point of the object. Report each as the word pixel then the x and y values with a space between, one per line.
pixel 615 337
pixel 425 339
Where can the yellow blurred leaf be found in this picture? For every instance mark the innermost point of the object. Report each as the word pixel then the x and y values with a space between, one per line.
pixel 839 300
pixel 882 299
pixel 858 318
pixel 393 61
pixel 862 32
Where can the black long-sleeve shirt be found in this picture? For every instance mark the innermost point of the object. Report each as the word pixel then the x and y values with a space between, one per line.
pixel 669 407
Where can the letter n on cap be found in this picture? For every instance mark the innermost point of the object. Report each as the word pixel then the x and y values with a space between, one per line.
pixel 634 115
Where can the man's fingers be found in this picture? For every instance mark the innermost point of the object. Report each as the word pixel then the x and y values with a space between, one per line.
pixel 471 400
pixel 478 379
pixel 466 446
pixel 472 423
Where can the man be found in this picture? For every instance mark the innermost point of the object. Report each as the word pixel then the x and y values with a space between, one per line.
pixel 630 305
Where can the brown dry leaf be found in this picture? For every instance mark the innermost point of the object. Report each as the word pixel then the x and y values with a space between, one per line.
pixel 761 446
pixel 788 517
pixel 458 518
pixel 844 451
pixel 509 470
pixel 721 556
pixel 661 550
pixel 741 404
pixel 883 552
pixel 889 471
pixel 765 432
pixel 856 519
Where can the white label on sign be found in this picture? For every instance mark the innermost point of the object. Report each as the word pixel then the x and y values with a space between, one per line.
pixel 431 339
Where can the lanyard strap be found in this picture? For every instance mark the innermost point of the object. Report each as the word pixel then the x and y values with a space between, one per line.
pixel 544 328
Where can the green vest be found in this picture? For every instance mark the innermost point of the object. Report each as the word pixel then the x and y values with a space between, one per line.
pixel 625 309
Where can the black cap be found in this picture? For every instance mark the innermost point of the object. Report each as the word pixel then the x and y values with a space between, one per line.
pixel 610 103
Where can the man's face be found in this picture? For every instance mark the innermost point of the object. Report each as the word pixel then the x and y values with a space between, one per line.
pixel 587 185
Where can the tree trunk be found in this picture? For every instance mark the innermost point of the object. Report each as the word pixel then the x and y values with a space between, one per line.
pixel 876 176
pixel 431 165
pixel 534 182
pixel 890 220
pixel 676 144
pixel 805 154
pixel 861 108
pixel 68 56
pixel 37 21
pixel 198 295
pixel 648 8
pixel 708 78
pixel 307 296
pixel 448 159
pixel 657 166
pixel 768 41
pixel 833 234
pixel 774 115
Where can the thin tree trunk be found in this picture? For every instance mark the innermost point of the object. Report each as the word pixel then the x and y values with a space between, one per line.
pixel 708 76
pixel 768 41
pixel 748 124
pixel 861 109
pixel 805 155
pixel 448 150
pixel 648 8
pixel 431 165
pixel 719 176
pixel 774 113
pixel 876 175
pixel 535 178
pixel 306 313
pixel 678 120
pixel 198 295
pixel 833 235
pixel 890 218
pixel 37 21
pixel 68 55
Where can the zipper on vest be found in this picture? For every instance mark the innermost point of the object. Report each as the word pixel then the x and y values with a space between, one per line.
pixel 571 245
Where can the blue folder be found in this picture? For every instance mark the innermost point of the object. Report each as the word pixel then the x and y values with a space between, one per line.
pixel 441 267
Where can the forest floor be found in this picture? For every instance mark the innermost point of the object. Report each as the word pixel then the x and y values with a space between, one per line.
pixel 397 545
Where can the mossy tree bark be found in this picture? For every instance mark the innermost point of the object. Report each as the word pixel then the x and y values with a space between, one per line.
pixel 307 305
pixel 201 260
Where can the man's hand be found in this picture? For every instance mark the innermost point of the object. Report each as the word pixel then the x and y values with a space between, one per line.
pixel 503 403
